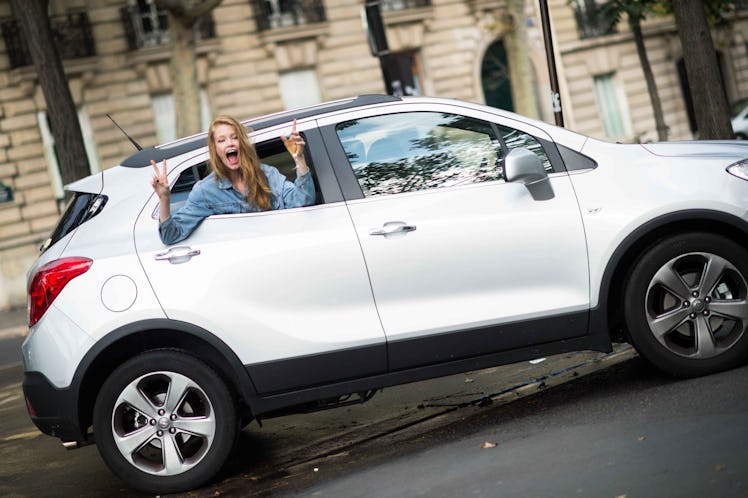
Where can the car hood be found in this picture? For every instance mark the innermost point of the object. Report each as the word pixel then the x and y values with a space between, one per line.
pixel 704 148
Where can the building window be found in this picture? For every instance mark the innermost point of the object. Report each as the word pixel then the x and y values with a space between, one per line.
pixel 50 154
pixel 611 102
pixel 71 32
pixel 164 115
pixel 591 22
pixel 273 14
pixel 403 73
pixel 299 88
pixel 147 26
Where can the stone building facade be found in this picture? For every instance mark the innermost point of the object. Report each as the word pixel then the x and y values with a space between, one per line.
pixel 261 56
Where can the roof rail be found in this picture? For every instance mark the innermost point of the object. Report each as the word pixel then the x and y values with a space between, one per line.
pixel 162 152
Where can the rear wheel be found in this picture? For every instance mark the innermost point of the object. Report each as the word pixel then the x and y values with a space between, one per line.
pixel 164 422
pixel 686 304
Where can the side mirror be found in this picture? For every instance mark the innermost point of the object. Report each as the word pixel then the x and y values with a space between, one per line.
pixel 523 166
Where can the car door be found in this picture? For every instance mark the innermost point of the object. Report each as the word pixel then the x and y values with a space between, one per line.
pixel 462 263
pixel 287 290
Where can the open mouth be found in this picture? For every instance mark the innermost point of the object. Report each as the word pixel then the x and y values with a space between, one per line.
pixel 232 156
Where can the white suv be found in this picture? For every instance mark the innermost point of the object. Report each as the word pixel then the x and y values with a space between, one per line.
pixel 446 237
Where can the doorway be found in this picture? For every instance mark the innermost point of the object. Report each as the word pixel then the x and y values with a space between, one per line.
pixel 497 87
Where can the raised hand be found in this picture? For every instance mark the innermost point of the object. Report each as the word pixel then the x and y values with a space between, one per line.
pixel 160 182
pixel 294 143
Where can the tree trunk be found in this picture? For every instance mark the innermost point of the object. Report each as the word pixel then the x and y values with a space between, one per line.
pixel 184 78
pixel 183 15
pixel 704 78
pixel 61 111
pixel 654 96
pixel 520 67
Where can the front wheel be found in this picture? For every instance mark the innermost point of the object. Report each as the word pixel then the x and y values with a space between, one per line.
pixel 164 422
pixel 686 304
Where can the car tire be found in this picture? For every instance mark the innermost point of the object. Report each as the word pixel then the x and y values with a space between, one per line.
pixel 165 422
pixel 686 304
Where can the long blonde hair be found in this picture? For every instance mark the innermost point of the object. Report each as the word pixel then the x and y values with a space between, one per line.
pixel 249 163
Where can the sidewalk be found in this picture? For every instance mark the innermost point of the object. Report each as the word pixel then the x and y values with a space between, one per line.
pixel 13 323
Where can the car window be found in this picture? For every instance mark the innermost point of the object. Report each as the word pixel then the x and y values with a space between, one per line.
pixel 406 152
pixel 271 152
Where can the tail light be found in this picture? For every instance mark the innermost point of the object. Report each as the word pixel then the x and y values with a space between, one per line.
pixel 48 282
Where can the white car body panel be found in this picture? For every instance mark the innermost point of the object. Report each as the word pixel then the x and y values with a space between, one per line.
pixel 55 347
pixel 527 258
pixel 624 192
pixel 253 268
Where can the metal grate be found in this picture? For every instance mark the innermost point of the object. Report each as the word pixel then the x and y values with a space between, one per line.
pixel 273 14
pixel 393 5
pixel 591 23
pixel 72 35
pixel 147 26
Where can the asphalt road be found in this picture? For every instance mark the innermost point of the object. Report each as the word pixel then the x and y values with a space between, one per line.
pixel 627 431
pixel 10 350
pixel 619 429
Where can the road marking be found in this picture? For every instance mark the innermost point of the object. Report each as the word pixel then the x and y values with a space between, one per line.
pixel 23 435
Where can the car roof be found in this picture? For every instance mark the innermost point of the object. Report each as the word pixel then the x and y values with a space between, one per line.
pixel 159 153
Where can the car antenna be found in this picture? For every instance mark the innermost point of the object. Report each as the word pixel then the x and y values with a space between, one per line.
pixel 137 146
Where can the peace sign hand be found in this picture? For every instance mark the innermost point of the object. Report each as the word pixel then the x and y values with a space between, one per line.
pixel 160 182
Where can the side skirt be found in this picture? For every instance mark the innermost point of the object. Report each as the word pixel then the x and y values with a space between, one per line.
pixel 266 404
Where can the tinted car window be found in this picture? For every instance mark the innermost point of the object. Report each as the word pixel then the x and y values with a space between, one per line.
pixel 81 208
pixel 407 152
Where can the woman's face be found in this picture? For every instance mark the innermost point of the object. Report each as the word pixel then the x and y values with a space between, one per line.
pixel 226 142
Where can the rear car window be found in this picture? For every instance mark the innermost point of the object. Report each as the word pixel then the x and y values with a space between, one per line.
pixel 81 208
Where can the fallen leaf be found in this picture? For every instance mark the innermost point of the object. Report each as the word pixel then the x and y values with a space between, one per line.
pixel 720 467
pixel 487 445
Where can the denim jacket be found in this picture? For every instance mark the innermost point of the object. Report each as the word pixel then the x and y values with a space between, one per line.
pixel 209 196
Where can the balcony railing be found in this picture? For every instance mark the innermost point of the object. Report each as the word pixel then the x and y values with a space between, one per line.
pixel 273 14
pixel 148 26
pixel 393 5
pixel 72 36
pixel 591 23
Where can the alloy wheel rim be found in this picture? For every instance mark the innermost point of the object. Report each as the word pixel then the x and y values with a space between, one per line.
pixel 696 305
pixel 163 423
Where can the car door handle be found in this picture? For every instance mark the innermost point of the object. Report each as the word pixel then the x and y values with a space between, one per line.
pixel 179 254
pixel 392 228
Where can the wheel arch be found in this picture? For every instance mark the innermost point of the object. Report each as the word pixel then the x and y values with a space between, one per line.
pixel 610 311
pixel 139 337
